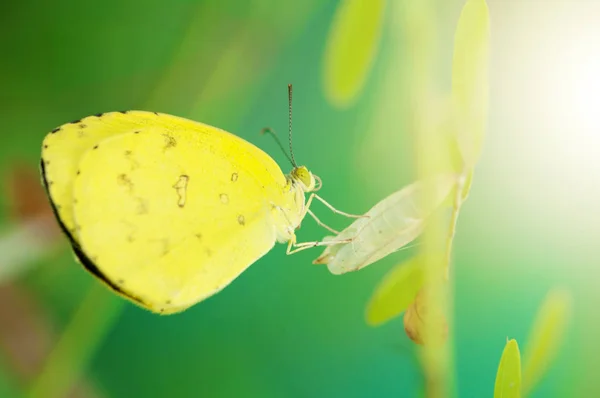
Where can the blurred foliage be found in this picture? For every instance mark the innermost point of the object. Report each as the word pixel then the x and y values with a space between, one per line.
pixel 508 377
pixel 351 48
pixel 546 337
pixel 395 292
pixel 470 78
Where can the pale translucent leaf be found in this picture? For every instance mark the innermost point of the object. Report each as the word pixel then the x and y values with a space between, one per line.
pixel 470 83
pixel 395 292
pixel 545 337
pixel 391 224
pixel 508 377
pixel 351 48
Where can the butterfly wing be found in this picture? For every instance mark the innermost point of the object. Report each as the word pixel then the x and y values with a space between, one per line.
pixel 63 147
pixel 168 214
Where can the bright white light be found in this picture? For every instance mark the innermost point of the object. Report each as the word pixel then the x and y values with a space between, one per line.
pixel 543 147
pixel 563 103
pixel 580 77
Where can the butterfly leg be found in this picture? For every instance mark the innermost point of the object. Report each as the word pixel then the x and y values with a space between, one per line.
pixel 321 223
pixel 308 245
pixel 333 209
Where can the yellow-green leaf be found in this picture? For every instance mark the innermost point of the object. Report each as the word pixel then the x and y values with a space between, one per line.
pixel 508 377
pixel 395 292
pixel 351 48
pixel 545 337
pixel 470 83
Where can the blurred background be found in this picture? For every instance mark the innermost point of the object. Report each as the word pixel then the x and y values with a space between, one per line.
pixel 287 328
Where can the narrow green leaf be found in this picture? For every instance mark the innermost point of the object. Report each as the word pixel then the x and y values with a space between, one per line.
pixel 470 84
pixel 351 48
pixel 545 337
pixel 395 292
pixel 508 377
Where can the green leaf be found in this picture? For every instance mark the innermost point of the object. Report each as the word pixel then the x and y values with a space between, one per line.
pixel 470 83
pixel 545 337
pixel 395 292
pixel 351 48
pixel 508 377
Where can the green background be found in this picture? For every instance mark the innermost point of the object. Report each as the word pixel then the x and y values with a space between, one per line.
pixel 287 328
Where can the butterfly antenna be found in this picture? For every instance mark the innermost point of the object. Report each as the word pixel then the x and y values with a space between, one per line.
pixel 268 130
pixel 290 124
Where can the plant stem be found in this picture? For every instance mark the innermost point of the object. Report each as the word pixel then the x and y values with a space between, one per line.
pixel 458 201
pixel 78 343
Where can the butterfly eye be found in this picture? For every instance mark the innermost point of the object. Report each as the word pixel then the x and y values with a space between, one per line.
pixel 305 177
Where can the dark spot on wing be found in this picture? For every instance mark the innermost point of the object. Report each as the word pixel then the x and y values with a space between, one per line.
pixel 55 130
pixel 234 177
pixel 170 141
pixel 156 113
pixel 123 179
pixel 78 172
pixel 45 146
pixel 241 220
pixel 123 112
pixel 199 236
pixel 82 125
pixel 136 132
pixel 99 114
pixel 134 164
pixel 95 146
pixel 181 189
pixel 142 207
pixel 75 121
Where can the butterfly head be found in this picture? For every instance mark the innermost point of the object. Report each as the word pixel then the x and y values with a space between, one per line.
pixel 305 179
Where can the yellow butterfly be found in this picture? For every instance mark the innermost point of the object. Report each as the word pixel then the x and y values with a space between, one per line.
pixel 167 211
